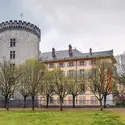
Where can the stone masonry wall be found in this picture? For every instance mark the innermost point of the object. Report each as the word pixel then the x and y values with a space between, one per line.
pixel 27 45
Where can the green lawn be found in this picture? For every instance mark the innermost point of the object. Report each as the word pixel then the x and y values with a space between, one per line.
pixel 60 118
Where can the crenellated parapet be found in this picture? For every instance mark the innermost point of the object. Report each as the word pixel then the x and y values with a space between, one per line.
pixel 21 25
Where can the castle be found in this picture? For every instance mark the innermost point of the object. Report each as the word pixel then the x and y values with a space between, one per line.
pixel 19 40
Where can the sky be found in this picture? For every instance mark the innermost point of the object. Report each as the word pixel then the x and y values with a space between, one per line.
pixel 99 24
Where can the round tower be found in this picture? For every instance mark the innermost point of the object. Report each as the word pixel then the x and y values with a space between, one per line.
pixel 19 41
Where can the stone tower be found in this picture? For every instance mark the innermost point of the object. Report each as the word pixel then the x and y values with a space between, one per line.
pixel 19 40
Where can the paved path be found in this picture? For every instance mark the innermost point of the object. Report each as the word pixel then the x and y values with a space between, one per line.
pixel 69 109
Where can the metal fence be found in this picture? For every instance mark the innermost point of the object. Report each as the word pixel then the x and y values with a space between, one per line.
pixel 56 103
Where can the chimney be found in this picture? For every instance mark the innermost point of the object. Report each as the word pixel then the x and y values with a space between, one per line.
pixel 53 52
pixel 70 50
pixel 90 51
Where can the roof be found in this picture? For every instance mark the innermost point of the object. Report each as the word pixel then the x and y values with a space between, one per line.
pixel 64 54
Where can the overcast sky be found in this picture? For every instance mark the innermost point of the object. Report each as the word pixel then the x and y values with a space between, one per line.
pixel 99 24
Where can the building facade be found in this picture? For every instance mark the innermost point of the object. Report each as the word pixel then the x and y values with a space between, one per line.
pixel 72 60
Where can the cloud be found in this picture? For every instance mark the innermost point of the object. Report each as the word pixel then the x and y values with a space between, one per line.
pixel 99 24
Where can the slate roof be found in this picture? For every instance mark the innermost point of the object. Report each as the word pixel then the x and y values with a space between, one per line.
pixel 63 54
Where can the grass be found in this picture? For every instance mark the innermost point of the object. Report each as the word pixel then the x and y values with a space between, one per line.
pixel 61 118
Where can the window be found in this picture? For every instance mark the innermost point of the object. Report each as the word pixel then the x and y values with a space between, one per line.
pixel 82 71
pixel 12 65
pixel 12 54
pixel 94 100
pixel 42 100
pixel 70 63
pixel 58 100
pixel 51 99
pixel 51 65
pixel 64 101
pixel 81 100
pixel 48 65
pixel 93 73
pixel 92 62
pixel 63 72
pixel 12 42
pixel 71 72
pixel 82 63
pixel 70 100
pixel 61 65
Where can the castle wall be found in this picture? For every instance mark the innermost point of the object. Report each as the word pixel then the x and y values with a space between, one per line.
pixel 27 46
pixel 27 38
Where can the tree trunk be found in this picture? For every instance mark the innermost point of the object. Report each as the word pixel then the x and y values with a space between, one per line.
pixel 6 105
pixel 73 96
pixel 61 101
pixel 101 107
pixel 105 100
pixel 5 101
pixel 32 102
pixel 24 106
pixel 47 100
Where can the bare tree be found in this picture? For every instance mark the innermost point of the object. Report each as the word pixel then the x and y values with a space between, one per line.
pixel 60 81
pixel 48 86
pixel 33 74
pixel 25 94
pixel 119 95
pixel 121 67
pixel 101 80
pixel 9 80
pixel 76 85
pixel 24 89
pixel 110 83
pixel 24 85
pixel 120 92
